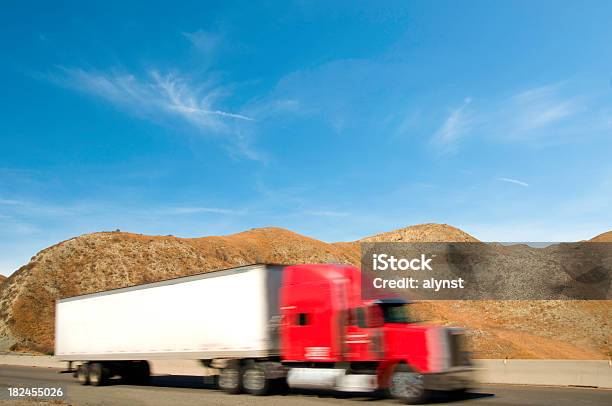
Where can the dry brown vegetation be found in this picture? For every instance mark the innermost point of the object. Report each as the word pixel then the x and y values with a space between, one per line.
pixel 603 237
pixel 33 402
pixel 423 233
pixel 101 261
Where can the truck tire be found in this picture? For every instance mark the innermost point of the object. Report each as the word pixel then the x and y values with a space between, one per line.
pixel 458 394
pixel 142 374
pixel 82 374
pixel 230 378
pixel 407 386
pixel 280 386
pixel 211 381
pixel 254 380
pixel 98 374
pixel 136 372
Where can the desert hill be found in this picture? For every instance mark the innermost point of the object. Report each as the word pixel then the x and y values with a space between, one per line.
pixel 108 260
pixel 100 261
pixel 423 233
pixel 2 278
pixel 603 237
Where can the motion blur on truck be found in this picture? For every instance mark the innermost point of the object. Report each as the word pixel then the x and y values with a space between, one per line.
pixel 260 329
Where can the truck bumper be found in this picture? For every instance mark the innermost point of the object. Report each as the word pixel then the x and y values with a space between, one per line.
pixel 453 379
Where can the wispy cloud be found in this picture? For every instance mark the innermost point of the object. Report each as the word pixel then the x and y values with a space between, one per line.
pixel 170 93
pixel 538 108
pixel 327 213
pixel 270 107
pixel 171 96
pixel 455 126
pixel 203 41
pixel 10 202
pixel 176 95
pixel 514 181
pixel 535 116
pixel 20 209
pixel 213 210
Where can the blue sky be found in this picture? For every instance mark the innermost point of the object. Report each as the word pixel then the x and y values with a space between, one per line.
pixel 333 119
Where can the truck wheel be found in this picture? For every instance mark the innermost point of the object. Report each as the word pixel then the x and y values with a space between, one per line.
pixel 82 374
pixel 458 394
pixel 407 385
pixel 211 381
pixel 143 373
pixel 280 386
pixel 230 378
pixel 98 374
pixel 254 380
pixel 136 372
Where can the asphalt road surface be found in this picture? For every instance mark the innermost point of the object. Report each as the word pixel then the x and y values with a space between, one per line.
pixel 188 390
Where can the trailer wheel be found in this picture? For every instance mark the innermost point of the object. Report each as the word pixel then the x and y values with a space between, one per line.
pixel 254 380
pixel 98 374
pixel 280 386
pixel 142 373
pixel 230 378
pixel 407 385
pixel 82 374
pixel 136 372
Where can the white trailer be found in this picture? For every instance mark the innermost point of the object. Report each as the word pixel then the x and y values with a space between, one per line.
pixel 221 315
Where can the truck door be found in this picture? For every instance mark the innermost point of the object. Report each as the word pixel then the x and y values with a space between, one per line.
pixel 363 338
pixel 311 327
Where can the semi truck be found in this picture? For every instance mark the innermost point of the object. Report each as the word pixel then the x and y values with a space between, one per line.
pixel 260 328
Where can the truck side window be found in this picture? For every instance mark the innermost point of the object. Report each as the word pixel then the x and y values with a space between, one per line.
pixel 361 319
pixel 352 318
pixel 302 319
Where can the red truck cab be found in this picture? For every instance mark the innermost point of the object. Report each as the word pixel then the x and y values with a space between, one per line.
pixel 330 336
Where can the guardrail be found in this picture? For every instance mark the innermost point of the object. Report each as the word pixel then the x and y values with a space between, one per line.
pixel 41 361
pixel 511 371
pixel 546 372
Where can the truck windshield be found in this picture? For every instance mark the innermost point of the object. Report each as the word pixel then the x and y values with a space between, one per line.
pixel 395 313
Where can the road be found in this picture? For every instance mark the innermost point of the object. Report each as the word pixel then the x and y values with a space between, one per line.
pixel 189 390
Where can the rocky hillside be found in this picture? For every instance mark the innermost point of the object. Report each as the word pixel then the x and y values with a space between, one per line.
pixel 423 233
pixel 2 278
pixel 603 237
pixel 100 261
